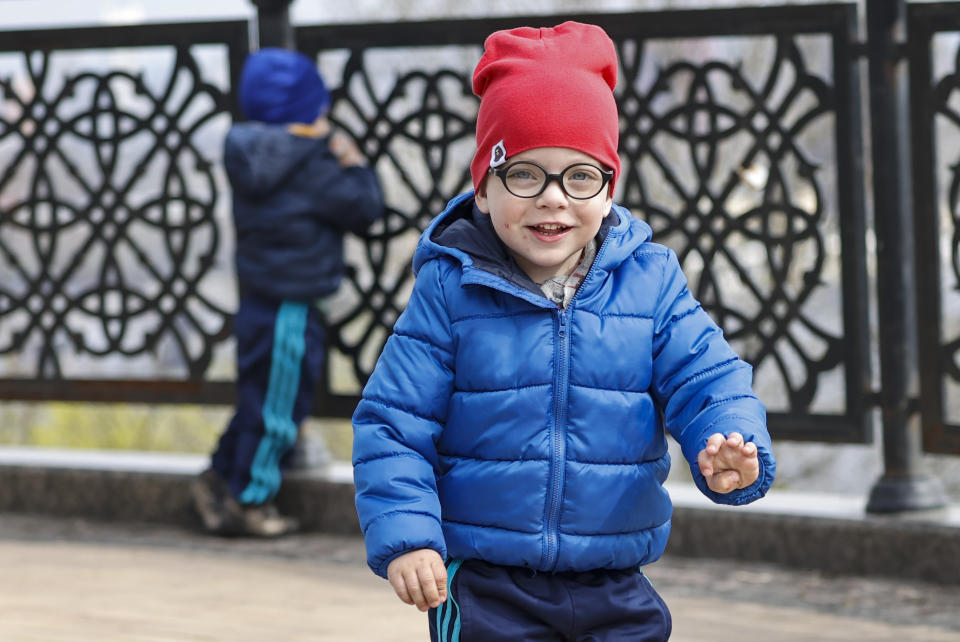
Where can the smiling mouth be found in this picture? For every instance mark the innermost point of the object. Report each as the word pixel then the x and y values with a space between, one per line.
pixel 550 229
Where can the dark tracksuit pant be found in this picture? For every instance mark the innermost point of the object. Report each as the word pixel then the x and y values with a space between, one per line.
pixel 486 603
pixel 280 353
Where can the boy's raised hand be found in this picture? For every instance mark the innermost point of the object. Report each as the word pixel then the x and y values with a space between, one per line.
pixel 729 463
pixel 419 577
pixel 345 150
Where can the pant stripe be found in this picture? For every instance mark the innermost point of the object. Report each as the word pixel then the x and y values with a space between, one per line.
pixel 444 634
pixel 289 346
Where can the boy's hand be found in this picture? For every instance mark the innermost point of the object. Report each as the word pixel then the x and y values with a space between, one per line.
pixel 419 577
pixel 728 463
pixel 345 150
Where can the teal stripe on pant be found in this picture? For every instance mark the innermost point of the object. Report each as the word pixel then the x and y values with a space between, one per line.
pixel 286 361
pixel 445 634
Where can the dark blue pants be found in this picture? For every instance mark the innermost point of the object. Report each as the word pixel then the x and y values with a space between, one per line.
pixel 280 353
pixel 487 603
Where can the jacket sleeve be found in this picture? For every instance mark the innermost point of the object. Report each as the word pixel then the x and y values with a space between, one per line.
pixel 357 199
pixel 396 426
pixel 702 386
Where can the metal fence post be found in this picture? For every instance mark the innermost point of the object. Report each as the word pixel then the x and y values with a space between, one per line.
pixel 273 24
pixel 903 486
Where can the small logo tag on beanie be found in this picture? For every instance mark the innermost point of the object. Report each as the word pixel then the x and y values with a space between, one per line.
pixel 498 155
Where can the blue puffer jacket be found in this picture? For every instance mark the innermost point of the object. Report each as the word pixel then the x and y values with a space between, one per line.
pixel 497 426
pixel 292 203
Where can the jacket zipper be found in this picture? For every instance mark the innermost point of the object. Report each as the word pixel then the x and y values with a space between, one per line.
pixel 558 438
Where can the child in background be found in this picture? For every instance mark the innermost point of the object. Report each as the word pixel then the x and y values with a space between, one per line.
pixel 510 447
pixel 296 190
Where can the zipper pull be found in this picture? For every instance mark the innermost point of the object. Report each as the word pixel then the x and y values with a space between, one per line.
pixel 563 322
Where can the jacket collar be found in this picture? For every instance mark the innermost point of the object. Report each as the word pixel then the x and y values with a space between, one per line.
pixel 465 234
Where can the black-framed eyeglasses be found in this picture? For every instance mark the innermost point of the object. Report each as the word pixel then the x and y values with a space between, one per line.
pixel 526 179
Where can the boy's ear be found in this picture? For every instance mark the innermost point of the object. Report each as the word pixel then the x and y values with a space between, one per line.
pixel 608 203
pixel 480 197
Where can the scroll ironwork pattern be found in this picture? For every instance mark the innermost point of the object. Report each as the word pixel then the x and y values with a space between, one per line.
pixel 423 111
pixel 738 201
pixel 946 92
pixel 106 225
pixel 934 67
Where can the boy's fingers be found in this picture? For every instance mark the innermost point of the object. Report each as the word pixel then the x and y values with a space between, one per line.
pixel 714 442
pixel 725 482
pixel 440 573
pixel 706 463
pixel 428 584
pixel 400 588
pixel 416 593
pixel 731 465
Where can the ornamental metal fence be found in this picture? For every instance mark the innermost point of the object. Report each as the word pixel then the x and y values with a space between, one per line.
pixel 934 54
pixel 741 141
pixel 115 278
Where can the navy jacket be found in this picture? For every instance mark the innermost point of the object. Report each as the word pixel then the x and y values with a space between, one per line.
pixel 291 204
pixel 497 426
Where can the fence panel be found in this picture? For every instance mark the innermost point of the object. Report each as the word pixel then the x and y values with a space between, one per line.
pixel 115 275
pixel 934 37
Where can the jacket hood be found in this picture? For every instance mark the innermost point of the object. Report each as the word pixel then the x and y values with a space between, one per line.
pixel 259 157
pixel 465 234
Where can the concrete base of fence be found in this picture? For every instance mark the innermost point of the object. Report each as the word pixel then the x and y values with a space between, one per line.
pixel 829 533
pixel 819 531
pixel 153 487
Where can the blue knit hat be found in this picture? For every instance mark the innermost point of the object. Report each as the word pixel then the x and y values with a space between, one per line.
pixel 281 86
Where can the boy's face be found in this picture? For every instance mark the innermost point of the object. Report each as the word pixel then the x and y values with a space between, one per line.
pixel 545 234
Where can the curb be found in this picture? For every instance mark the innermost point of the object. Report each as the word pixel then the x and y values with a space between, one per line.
pixel 154 488
pixel 822 532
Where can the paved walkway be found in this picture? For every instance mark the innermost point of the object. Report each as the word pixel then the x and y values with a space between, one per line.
pixel 69 580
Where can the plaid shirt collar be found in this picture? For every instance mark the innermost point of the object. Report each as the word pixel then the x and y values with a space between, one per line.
pixel 561 287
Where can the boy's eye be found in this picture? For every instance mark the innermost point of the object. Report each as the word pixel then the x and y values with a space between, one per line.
pixel 520 174
pixel 582 175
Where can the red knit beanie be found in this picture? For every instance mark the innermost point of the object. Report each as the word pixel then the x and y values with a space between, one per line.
pixel 550 87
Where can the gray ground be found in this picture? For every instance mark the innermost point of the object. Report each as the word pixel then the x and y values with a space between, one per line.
pixel 177 584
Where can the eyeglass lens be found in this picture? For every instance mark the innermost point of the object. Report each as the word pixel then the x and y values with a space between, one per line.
pixel 581 180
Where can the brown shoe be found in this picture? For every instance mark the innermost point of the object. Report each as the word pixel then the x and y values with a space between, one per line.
pixel 264 520
pixel 220 513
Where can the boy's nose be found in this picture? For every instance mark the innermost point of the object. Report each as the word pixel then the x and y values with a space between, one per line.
pixel 553 194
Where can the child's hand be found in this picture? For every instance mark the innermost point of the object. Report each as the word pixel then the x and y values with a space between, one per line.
pixel 345 150
pixel 729 464
pixel 419 577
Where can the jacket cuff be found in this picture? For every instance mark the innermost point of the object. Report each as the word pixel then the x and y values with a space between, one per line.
pixel 399 532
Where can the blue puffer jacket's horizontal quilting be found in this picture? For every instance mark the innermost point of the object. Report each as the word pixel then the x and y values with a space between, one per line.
pixel 497 426
pixel 292 204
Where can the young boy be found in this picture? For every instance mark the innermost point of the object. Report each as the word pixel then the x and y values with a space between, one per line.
pixel 514 425
pixel 296 190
